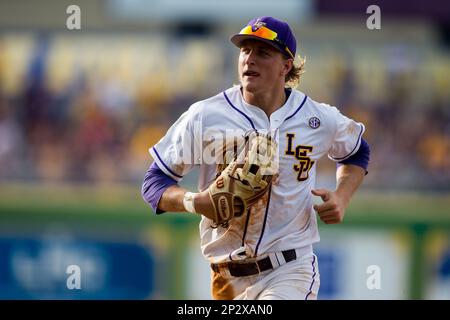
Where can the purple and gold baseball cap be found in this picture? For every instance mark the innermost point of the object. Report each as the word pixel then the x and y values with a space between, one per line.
pixel 272 31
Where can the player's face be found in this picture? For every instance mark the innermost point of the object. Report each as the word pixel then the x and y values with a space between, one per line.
pixel 261 67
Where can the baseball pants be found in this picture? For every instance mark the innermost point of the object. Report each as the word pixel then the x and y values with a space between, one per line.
pixel 295 280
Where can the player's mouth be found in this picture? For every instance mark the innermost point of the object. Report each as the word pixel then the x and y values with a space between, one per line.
pixel 251 74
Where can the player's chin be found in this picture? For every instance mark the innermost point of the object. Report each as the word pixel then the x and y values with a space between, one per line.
pixel 250 85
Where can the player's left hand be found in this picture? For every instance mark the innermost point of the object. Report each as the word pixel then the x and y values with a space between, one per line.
pixel 332 209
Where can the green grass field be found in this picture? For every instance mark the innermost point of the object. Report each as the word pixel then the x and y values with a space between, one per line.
pixel 123 204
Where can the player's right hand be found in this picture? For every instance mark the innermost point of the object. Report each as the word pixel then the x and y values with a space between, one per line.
pixel 332 210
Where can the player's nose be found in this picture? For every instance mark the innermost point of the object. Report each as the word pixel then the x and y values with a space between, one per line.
pixel 250 57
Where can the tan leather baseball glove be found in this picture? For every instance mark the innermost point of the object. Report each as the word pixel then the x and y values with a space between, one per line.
pixel 246 179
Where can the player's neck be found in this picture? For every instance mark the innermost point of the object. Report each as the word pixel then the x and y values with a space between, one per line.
pixel 269 101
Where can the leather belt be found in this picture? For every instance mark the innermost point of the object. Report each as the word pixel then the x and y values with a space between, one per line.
pixel 238 269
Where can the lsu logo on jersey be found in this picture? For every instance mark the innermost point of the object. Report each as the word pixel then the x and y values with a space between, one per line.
pixel 300 153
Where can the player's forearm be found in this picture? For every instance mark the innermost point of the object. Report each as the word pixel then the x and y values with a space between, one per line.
pixel 349 177
pixel 172 199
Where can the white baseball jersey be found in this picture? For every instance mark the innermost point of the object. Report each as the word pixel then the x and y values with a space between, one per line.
pixel 305 131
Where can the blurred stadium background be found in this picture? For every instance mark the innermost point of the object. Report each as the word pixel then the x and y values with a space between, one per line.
pixel 80 108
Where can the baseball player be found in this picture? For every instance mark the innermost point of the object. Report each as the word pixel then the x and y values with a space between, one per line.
pixel 258 234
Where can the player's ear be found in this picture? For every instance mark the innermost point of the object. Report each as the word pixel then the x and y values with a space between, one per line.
pixel 288 64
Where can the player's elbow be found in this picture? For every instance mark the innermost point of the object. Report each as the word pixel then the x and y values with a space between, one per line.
pixel 155 184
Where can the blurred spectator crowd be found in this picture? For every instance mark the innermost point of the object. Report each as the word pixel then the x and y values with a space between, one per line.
pixel 87 108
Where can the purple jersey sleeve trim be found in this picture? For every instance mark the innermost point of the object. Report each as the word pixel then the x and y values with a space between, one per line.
pixel 360 158
pixel 342 159
pixel 155 183
pixel 165 166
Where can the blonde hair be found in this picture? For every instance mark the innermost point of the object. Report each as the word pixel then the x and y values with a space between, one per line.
pixel 292 79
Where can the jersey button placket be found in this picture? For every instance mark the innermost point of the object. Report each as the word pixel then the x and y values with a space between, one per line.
pixel 274 124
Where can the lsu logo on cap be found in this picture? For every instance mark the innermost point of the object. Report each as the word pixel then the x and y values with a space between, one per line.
pixel 258 24
pixel 314 122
